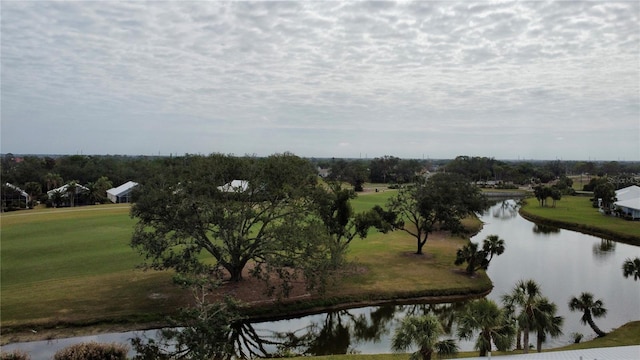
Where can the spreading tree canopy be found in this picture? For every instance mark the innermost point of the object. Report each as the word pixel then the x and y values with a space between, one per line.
pixel 439 202
pixel 193 217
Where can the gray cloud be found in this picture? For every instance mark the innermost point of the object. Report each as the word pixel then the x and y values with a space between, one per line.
pixel 245 77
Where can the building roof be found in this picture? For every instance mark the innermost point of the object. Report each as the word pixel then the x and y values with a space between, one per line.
pixel 235 186
pixel 122 189
pixel 629 204
pixel 22 192
pixel 628 193
pixel 63 189
pixel 609 353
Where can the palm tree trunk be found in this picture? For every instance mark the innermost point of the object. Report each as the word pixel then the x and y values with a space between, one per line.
pixel 519 339
pixel 525 345
pixel 595 327
pixel 426 353
pixel 539 340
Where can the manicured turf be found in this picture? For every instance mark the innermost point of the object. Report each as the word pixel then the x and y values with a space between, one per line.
pixel 576 213
pixel 76 266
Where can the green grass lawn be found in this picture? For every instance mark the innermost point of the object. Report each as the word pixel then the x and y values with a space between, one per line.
pixel 576 213
pixel 75 266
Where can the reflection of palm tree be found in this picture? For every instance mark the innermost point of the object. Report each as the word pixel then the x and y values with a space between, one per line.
pixel 508 209
pixel 485 316
pixel 590 309
pixel 423 332
pixel 604 248
pixel 545 229
pixel 631 268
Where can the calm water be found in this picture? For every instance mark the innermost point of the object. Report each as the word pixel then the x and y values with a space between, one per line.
pixel 564 263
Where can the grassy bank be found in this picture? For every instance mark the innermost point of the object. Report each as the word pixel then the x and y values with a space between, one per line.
pixel 576 213
pixel 75 267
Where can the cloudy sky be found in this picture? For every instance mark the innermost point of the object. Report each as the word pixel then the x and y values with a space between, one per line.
pixel 528 80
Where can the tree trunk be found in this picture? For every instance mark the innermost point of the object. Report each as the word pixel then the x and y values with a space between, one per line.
pixel 421 244
pixel 519 339
pixel 525 345
pixel 539 340
pixel 235 272
pixel 426 353
pixel 486 340
pixel 595 327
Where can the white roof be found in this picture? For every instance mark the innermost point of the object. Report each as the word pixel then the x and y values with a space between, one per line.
pixel 63 189
pixel 630 204
pixel 628 193
pixel 609 353
pixel 122 189
pixel 235 186
pixel 22 192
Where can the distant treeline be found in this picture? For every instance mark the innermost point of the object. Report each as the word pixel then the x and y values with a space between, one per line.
pixel 38 173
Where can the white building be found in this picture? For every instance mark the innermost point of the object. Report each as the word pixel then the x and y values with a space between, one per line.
pixel 628 202
pixel 65 192
pixel 122 193
pixel 235 186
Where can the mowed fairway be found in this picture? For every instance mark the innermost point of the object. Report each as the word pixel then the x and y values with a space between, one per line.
pixel 75 265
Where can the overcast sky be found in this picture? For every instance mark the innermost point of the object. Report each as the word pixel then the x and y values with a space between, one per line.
pixel 528 80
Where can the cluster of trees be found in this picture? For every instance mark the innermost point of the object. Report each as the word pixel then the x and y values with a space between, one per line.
pixel 393 170
pixel 279 223
pixel 524 172
pixel 525 310
pixel 281 220
pixel 34 174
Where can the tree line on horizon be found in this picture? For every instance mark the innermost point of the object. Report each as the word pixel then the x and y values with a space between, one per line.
pixel 38 174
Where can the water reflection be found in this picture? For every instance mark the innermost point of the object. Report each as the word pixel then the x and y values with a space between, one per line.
pixel 603 250
pixel 337 332
pixel 506 209
pixel 540 229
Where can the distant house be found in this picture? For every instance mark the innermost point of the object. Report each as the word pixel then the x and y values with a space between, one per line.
pixel 627 202
pixel 324 173
pixel 235 186
pixel 122 193
pixel 65 192
pixel 14 193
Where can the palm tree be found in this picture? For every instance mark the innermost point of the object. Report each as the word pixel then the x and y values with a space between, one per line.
pixel 590 309
pixel 526 296
pixel 52 180
pixel 72 186
pixel 546 322
pixel 472 256
pixel 494 325
pixel 493 245
pixel 631 268
pixel 479 259
pixel 423 332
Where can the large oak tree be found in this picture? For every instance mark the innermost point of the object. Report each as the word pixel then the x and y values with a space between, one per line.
pixel 439 202
pixel 193 218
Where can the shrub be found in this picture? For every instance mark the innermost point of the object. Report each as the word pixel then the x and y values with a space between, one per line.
pixel 14 355
pixel 92 351
pixel 577 337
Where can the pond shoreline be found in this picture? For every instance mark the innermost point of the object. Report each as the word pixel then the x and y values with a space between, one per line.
pixel 60 331
pixel 581 228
